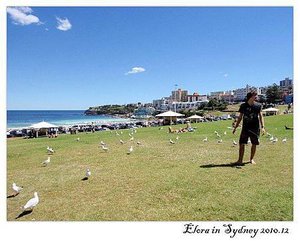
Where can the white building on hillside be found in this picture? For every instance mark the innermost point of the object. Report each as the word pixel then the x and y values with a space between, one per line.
pixel 240 94
pixel 196 97
pixel 178 106
pixel 162 104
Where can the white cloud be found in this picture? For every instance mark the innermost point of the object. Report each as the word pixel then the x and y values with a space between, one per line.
pixel 22 15
pixel 63 24
pixel 136 70
pixel 24 9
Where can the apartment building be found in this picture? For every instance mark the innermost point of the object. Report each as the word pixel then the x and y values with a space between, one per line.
pixel 179 95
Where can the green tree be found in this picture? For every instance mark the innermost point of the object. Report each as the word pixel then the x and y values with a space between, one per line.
pixel 202 106
pixel 274 94
pixel 213 103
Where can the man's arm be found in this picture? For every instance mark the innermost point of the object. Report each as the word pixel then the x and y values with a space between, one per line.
pixel 238 122
pixel 262 125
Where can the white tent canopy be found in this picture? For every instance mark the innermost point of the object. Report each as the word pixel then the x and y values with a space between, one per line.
pixel 195 117
pixel 270 111
pixel 43 125
pixel 169 114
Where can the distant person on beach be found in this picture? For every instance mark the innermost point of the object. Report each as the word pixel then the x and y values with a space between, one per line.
pixel 253 123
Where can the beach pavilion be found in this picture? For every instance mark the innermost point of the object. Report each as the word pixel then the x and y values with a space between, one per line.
pixel 43 128
pixel 195 118
pixel 170 116
pixel 270 111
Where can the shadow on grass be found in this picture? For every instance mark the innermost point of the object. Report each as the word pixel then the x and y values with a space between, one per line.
pixel 84 179
pixel 288 128
pixel 232 164
pixel 12 195
pixel 24 213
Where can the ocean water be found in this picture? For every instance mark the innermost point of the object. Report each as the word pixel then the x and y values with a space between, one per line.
pixel 25 118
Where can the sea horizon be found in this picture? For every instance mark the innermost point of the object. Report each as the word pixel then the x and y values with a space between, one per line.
pixel 17 119
pixel 45 110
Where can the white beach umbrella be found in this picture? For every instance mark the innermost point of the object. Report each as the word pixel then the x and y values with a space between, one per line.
pixel 170 114
pixel 270 111
pixel 42 125
pixel 195 117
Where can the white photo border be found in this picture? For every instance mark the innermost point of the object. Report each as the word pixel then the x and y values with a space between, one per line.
pixel 134 230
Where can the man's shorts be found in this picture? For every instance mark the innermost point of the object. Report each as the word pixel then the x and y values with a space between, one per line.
pixel 252 134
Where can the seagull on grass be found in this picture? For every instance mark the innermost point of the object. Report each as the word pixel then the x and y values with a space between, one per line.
pixel 32 202
pixel 205 139
pixel 234 143
pixel 132 138
pixel 88 173
pixel 16 189
pixel 225 133
pixel 177 138
pixel 46 162
pixel 284 140
pixel 220 141
pixel 50 149
pixel 172 142
pixel 122 142
pixel 139 143
pixel 275 140
pixel 104 148
pixel 130 150
pixel 102 143
pixel 78 139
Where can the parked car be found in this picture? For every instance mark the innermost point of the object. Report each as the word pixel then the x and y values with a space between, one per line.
pixel 16 133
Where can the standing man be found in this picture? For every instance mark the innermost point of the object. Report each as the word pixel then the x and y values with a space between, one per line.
pixel 253 122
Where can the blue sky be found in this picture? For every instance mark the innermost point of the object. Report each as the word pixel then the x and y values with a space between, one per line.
pixel 76 57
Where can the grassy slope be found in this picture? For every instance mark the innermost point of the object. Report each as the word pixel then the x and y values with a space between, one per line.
pixel 158 181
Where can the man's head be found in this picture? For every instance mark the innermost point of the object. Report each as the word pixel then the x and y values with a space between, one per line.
pixel 251 95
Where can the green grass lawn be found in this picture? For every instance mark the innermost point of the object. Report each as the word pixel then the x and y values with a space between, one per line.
pixel 158 181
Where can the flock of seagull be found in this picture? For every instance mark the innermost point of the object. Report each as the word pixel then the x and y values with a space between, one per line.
pixel 31 202
pixel 35 200
pixel 271 137
pixel 105 147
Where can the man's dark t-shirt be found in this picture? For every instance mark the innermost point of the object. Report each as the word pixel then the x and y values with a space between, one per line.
pixel 250 118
